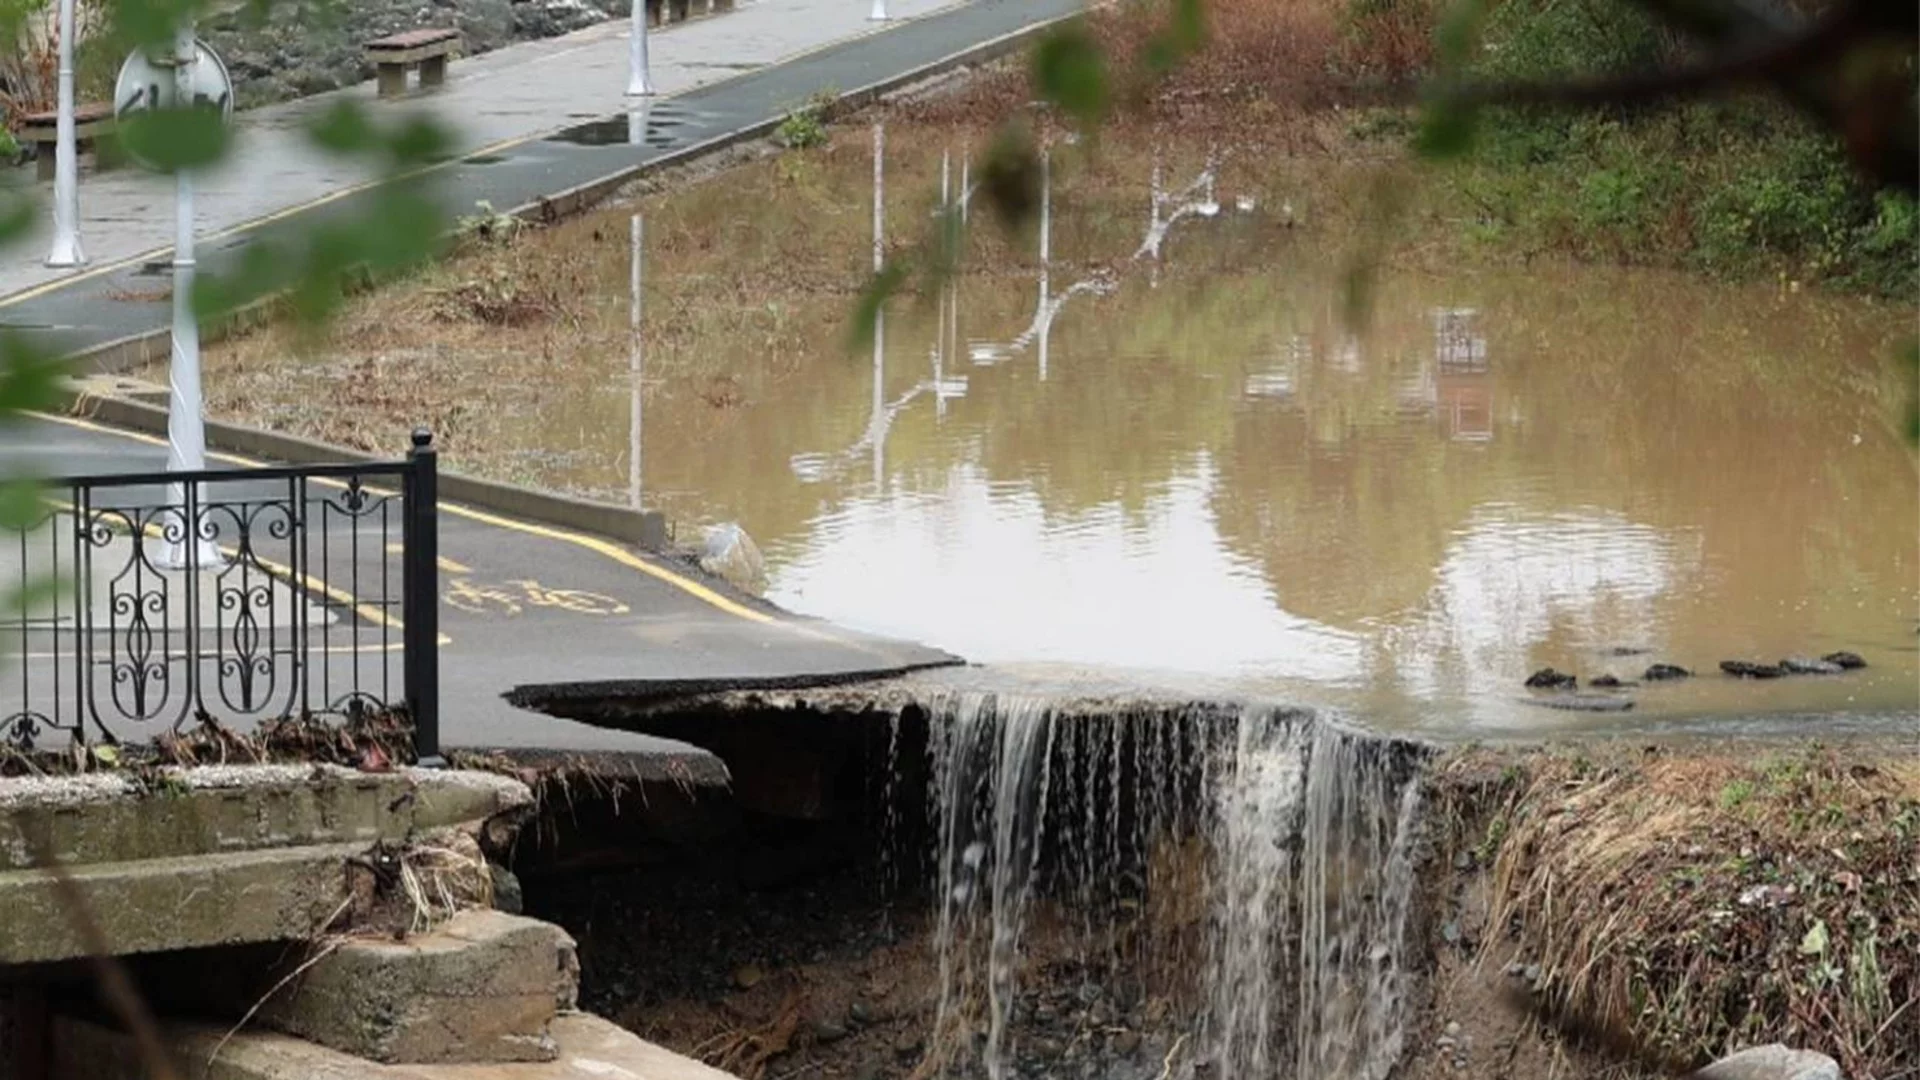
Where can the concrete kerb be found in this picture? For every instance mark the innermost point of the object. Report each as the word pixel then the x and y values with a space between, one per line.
pixel 647 529
pixel 644 528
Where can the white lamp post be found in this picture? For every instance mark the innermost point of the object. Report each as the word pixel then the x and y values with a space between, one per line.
pixel 66 166
pixel 186 427
pixel 879 12
pixel 639 78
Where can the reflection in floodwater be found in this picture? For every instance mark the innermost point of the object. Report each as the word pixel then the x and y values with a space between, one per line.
pixel 1218 480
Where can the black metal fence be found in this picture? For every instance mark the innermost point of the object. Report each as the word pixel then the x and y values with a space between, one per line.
pixel 147 603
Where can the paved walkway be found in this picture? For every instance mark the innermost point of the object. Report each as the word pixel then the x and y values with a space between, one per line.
pixel 533 120
pixel 527 610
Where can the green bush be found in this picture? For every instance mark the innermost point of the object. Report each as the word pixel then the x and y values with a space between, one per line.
pixel 1740 187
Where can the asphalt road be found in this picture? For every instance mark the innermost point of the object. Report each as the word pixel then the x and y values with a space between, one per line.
pixel 526 610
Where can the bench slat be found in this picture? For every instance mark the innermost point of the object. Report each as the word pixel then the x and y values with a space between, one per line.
pixel 411 39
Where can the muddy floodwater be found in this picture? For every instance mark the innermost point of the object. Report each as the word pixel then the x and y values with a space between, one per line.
pixel 1161 454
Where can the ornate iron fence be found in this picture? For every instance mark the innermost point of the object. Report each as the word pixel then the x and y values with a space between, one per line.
pixel 148 602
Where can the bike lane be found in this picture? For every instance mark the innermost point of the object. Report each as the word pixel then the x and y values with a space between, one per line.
pixel 537 615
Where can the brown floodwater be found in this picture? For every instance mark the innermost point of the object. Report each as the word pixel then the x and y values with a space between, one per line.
pixel 1182 467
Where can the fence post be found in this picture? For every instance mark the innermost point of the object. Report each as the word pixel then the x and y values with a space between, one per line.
pixel 421 605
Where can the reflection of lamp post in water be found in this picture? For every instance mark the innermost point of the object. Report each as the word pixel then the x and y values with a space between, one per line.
pixel 1050 303
pixel 1465 392
pixel 879 260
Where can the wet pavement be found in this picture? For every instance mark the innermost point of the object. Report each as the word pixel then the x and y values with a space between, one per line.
pixel 528 610
pixel 532 121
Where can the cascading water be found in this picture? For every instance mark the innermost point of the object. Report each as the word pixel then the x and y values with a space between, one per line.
pixel 1247 873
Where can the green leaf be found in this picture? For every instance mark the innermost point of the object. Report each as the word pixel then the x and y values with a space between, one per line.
pixel 1189 29
pixel 22 504
pixel 1457 33
pixel 1447 130
pixel 1010 175
pixel 29 377
pixel 1070 71
pixel 175 139
pixel 866 312
pixel 1816 941
pixel 343 129
pixel 419 141
pixel 106 754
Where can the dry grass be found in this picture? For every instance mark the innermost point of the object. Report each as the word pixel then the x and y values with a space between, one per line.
pixel 1704 903
pixel 1264 64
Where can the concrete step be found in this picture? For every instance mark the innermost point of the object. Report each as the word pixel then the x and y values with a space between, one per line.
pixel 114 817
pixel 587 1048
pixel 484 986
pixel 184 902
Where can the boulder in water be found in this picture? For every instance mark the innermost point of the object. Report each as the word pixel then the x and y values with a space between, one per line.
pixel 1610 682
pixel 1548 679
pixel 1800 665
pixel 1747 669
pixel 1665 672
pixel 730 554
pixel 1847 660
pixel 1774 1062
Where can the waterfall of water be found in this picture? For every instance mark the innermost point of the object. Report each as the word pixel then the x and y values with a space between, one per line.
pixel 1283 954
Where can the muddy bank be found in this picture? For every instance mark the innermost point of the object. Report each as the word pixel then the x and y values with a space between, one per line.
pixel 1158 892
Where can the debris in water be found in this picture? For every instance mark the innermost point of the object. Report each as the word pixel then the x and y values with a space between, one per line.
pixel 1548 679
pixel 1801 665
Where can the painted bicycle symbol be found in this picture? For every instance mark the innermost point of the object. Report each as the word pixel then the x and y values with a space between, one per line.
pixel 513 597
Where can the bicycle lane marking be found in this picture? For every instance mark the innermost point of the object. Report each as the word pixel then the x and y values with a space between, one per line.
pixel 604 548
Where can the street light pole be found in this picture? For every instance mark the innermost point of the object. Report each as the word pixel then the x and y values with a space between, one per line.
pixel 186 428
pixel 639 78
pixel 879 12
pixel 66 165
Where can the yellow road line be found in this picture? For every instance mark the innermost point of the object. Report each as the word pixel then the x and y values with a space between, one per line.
pixel 612 551
pixel 370 612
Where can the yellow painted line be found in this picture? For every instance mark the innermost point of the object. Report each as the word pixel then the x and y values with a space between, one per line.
pixel 449 565
pixel 369 612
pixel 612 551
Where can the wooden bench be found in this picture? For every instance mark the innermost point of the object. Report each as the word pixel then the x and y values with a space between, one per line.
pixel 427 50
pixel 90 121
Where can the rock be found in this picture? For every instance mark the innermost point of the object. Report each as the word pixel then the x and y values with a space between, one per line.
pixel 730 554
pixel 1746 669
pixel 1125 1043
pixel 1610 682
pixel 1463 860
pixel 908 1044
pixel 1775 1062
pixel 748 976
pixel 827 1031
pixel 1450 933
pixel 551 18
pixel 1664 672
pixel 1847 660
pixel 1444 1042
pixel 1532 973
pixel 1453 1029
pixel 1801 665
pixel 860 1013
pixel 1596 703
pixel 1548 679
pixel 507 896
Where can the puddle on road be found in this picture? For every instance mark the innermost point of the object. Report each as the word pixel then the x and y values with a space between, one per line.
pixel 1181 465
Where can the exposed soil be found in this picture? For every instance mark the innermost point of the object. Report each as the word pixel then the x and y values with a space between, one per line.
pixel 780 949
